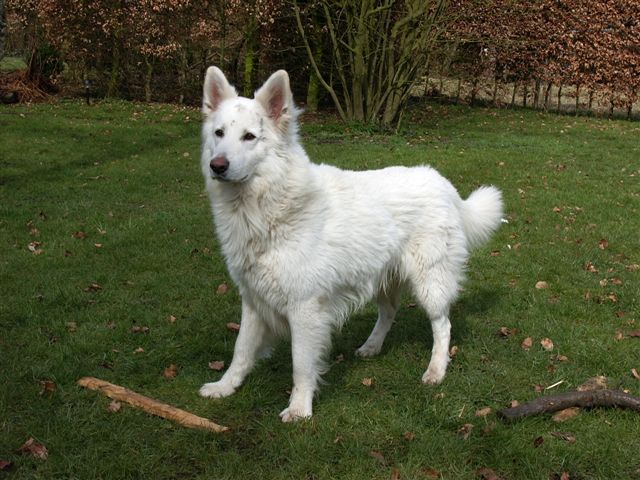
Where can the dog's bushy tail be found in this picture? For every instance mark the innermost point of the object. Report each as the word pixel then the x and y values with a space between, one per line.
pixel 482 214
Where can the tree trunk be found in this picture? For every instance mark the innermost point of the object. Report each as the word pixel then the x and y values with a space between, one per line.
pixel 590 100
pixel 495 92
pixel 474 91
pixel 536 94
pixel 148 77
pixel 458 89
pixel 559 98
pixel 248 66
pixel 525 93
pixel 114 79
pixel 3 30
pixel 546 96
pixel 513 95
pixel 577 99
pixel 182 75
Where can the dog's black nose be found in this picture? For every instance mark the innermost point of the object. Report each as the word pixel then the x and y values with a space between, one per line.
pixel 219 164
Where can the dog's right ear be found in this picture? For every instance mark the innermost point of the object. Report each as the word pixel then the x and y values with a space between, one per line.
pixel 216 90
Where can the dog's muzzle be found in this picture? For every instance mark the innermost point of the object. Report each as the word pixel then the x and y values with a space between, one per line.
pixel 219 165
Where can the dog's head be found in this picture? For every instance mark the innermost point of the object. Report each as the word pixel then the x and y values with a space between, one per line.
pixel 238 132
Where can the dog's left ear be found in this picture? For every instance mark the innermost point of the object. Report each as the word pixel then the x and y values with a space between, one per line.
pixel 276 97
pixel 216 89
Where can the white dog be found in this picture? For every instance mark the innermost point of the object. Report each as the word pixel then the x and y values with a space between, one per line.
pixel 306 243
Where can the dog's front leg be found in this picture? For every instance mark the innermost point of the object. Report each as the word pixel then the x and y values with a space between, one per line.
pixel 310 339
pixel 253 339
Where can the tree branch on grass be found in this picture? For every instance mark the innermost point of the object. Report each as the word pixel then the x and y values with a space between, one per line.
pixel 561 401
pixel 150 405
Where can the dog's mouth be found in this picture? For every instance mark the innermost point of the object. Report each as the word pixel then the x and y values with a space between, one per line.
pixel 224 179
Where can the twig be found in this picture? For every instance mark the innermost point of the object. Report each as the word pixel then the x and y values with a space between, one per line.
pixel 150 405
pixel 588 399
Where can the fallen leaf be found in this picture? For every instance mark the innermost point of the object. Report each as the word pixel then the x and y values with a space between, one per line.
pixel 495 253
pixel 593 383
pixel 561 358
pixel 47 386
pixel 114 406
pixel 487 474
pixel 566 414
pixel 564 476
pixel 5 465
pixel 538 441
pixel 603 243
pixel 98 245
pixel 538 388
pixel 483 412
pixel 71 326
pixel 216 365
pixel 171 371
pixel 514 403
pixel 222 289
pixel 339 358
pixel 234 327
pixel 80 235
pixel 507 332
pixel 409 436
pixel 172 319
pixel 619 335
pixel 635 333
pixel 567 437
pixel 635 373
pixel 67 253
pixel 94 287
pixel 34 449
pixel 590 267
pixel 378 456
pixel 632 268
pixel 139 350
pixel 465 430
pixel 541 285
pixel 527 343
pixel 34 247
pixel 430 472
pixel 395 474
pixel 367 381
pixel 139 329
pixel 547 344
pixel 453 351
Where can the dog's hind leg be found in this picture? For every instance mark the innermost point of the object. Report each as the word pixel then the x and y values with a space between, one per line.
pixel 436 289
pixel 388 301
pixel 310 327
pixel 254 340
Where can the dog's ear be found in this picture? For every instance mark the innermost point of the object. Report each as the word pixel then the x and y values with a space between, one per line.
pixel 276 97
pixel 216 89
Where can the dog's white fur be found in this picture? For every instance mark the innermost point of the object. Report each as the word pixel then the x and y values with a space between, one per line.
pixel 308 243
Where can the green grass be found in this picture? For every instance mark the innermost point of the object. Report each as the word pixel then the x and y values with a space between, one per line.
pixel 127 176
pixel 10 64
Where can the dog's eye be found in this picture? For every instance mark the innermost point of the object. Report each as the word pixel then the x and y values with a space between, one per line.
pixel 247 137
pixel 219 133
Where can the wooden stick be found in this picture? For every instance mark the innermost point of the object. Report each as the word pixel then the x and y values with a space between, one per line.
pixel 554 403
pixel 150 405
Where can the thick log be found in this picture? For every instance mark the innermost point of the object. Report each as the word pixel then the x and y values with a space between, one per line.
pixel 150 405
pixel 588 399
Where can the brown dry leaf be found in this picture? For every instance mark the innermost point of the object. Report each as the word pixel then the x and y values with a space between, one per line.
pixel 635 333
pixel 465 430
pixel 234 327
pixel 172 319
pixel 619 335
pixel 71 326
pixel 561 358
pixel 567 437
pixel 603 243
pixel 430 472
pixel 593 383
pixel 538 388
pixel 80 235
pixel 94 287
pixel 171 371
pixel 5 465
pixel 514 403
pixel 507 332
pixel 453 351
pixel 483 412
pixel 114 406
pixel 564 476
pixel 547 344
pixel 541 285
pixel 139 329
pixel 538 441
pixel 378 456
pixel 47 386
pixel 590 267
pixel 217 365
pixel 409 436
pixel 339 358
pixel 632 268
pixel 34 247
pixel 367 381
pixel 635 373
pixel 395 474
pixel 34 449
pixel 487 474
pixel 98 245
pixel 139 350
pixel 527 343
pixel 566 414
pixel 495 253
pixel 222 289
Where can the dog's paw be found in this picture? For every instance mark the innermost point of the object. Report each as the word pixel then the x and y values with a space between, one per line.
pixel 368 350
pixel 433 376
pixel 291 414
pixel 216 390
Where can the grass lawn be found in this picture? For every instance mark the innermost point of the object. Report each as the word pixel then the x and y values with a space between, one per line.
pixel 109 268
